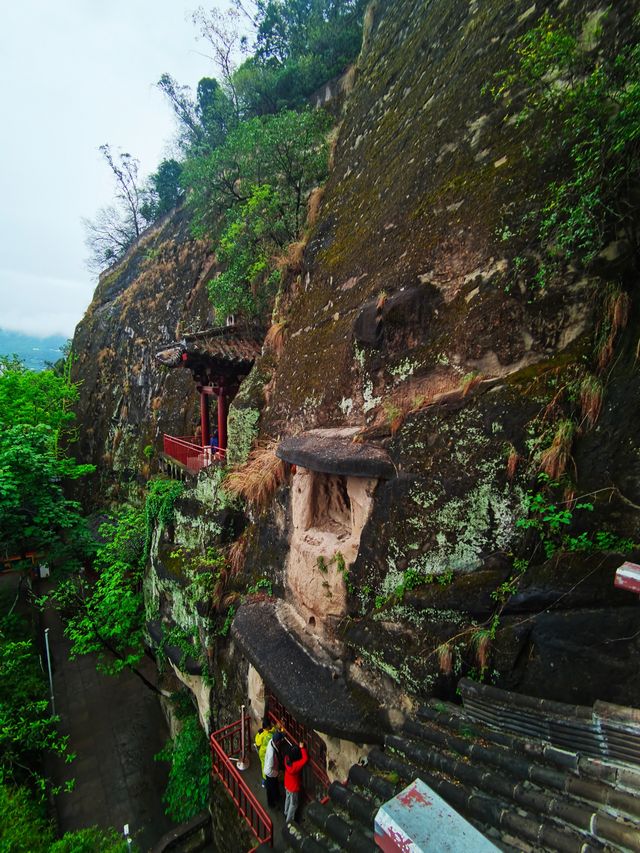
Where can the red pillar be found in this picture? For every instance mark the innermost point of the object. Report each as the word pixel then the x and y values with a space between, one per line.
pixel 204 419
pixel 222 418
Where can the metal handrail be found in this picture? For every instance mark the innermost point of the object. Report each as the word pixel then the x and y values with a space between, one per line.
pixel 254 814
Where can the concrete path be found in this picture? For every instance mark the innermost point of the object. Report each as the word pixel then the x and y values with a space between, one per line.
pixel 115 726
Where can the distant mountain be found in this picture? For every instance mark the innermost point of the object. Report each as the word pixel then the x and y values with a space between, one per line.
pixel 34 352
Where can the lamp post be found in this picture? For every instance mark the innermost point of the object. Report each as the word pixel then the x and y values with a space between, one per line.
pixel 242 764
pixel 46 645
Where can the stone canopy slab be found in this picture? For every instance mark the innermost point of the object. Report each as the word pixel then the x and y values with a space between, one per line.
pixel 315 695
pixel 333 451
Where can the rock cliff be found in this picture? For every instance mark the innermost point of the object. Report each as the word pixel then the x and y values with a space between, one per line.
pixel 413 322
pixel 414 329
pixel 127 400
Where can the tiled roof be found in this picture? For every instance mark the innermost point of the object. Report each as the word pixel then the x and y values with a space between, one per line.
pixel 520 790
pixel 230 344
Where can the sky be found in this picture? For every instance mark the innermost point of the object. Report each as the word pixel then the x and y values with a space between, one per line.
pixel 75 74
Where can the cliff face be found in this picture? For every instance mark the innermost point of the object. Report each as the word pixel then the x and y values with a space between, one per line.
pixel 127 401
pixel 413 322
pixel 415 333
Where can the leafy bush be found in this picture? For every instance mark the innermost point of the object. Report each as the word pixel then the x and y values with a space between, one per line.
pixel 158 508
pixel 250 195
pixel 187 791
pixel 27 728
pixel 106 616
pixel 585 104
pixel 25 829
pixel 35 416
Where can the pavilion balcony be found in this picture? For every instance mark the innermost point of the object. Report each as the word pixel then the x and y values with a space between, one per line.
pixel 188 452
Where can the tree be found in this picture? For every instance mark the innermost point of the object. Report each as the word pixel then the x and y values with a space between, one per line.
pixel 25 829
pixel 35 420
pixel 300 44
pixel 250 195
pixel 222 31
pixel 27 728
pixel 116 227
pixel 107 615
pixel 203 122
pixel 164 191
pixel 288 152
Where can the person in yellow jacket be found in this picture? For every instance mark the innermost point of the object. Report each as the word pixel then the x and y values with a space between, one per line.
pixel 262 739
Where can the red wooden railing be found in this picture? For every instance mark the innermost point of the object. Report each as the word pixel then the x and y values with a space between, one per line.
pixel 186 450
pixel 226 743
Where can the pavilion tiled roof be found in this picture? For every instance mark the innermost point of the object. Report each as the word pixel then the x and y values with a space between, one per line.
pixel 239 344
pixel 531 775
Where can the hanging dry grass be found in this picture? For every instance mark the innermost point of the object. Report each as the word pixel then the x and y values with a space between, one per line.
pixel 349 80
pixel 591 396
pixel 481 641
pixel 445 658
pixel 513 460
pixel 469 382
pixel 605 351
pixel 230 599
pixel 274 339
pixel 237 556
pixel 554 460
pixel 259 478
pixel 617 308
pixel 382 298
pixel 314 202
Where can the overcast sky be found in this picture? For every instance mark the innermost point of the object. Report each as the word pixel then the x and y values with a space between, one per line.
pixel 75 74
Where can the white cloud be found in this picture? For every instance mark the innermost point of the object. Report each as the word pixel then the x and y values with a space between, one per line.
pixel 41 305
pixel 75 75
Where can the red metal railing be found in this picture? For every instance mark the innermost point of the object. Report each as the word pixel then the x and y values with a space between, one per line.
pixel 186 450
pixel 225 744
pixel 316 747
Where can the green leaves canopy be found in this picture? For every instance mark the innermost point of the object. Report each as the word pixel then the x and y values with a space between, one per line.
pixel 34 512
pixel 251 195
pixel 585 105
pixel 107 615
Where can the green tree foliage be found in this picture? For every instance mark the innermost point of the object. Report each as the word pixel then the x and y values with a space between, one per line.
pixel 163 191
pixel 203 122
pixel 256 230
pixel 587 104
pixel 105 616
pixel 35 420
pixel 27 729
pixel 25 829
pixel 300 44
pixel 187 791
pixel 251 194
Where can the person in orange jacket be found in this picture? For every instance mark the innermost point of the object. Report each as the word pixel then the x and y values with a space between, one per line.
pixel 293 765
